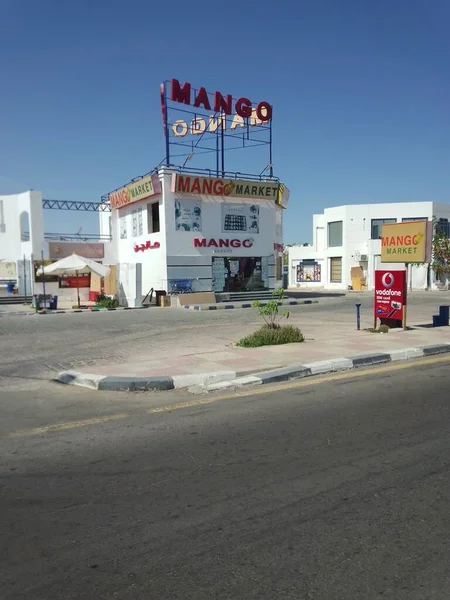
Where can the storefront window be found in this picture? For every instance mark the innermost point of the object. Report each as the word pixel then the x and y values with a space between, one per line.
pixel 239 274
pixel 336 269
pixel 308 271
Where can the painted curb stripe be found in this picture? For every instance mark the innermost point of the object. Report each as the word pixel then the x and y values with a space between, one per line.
pixel 164 383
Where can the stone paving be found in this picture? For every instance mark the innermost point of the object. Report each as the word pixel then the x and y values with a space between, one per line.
pixel 326 337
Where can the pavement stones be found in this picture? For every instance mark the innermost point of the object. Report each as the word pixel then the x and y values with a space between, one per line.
pixel 222 380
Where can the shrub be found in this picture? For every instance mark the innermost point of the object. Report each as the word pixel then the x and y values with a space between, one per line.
pixel 381 329
pixel 270 312
pixel 107 302
pixel 272 336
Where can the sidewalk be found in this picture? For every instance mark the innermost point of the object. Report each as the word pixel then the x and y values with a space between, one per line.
pixel 212 347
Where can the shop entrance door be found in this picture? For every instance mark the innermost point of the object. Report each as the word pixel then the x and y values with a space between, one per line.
pixel 243 274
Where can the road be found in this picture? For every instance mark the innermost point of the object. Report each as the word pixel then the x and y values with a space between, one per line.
pixel 37 346
pixel 329 489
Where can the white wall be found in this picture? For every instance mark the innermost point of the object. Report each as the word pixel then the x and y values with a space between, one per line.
pixel 138 272
pixel 12 247
pixel 357 226
pixel 197 261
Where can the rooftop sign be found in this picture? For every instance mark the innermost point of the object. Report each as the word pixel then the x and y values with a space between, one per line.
pixel 211 186
pixel 135 191
pixel 204 126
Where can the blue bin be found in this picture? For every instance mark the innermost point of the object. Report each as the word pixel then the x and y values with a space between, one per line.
pixel 54 303
pixel 10 287
pixel 444 314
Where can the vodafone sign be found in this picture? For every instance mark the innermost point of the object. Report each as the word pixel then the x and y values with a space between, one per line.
pixel 390 295
pixel 221 243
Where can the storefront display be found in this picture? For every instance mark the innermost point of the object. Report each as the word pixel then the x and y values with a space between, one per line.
pixel 308 271
pixel 244 274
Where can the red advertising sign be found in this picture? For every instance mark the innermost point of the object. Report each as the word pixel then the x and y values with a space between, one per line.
pixel 82 281
pixel 390 295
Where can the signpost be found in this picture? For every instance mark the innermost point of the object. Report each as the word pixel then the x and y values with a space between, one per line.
pixel 407 243
pixel 390 296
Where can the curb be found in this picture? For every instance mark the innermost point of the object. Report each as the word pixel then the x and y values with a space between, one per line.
pixel 143 384
pixel 228 306
pixel 329 366
pixel 223 380
pixel 32 313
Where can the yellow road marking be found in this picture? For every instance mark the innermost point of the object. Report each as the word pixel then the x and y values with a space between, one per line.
pixel 68 425
pixel 241 393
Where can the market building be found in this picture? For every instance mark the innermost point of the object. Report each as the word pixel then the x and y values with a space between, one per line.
pixel 346 246
pixel 178 231
pixel 209 232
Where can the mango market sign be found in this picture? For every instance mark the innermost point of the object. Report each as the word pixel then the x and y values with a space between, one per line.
pixel 405 242
pixel 135 191
pixel 210 186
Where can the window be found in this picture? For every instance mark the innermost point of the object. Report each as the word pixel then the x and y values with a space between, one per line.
pixel 335 234
pixel 153 217
pixel 414 219
pixel 2 218
pixel 377 224
pixel 140 224
pixel 134 223
pixel 24 227
pixel 443 227
pixel 123 227
pixel 336 269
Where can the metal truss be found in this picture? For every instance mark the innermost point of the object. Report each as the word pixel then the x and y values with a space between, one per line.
pixel 75 205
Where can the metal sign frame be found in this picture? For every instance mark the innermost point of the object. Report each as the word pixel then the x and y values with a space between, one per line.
pixel 191 130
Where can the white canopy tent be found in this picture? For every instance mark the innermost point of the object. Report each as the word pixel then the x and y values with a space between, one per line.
pixel 75 264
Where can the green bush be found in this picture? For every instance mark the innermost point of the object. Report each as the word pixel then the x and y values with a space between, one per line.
pixel 272 336
pixel 107 302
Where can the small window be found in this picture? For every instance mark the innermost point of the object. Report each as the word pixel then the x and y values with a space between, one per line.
pixel 123 227
pixel 2 218
pixel 24 227
pixel 377 225
pixel 153 217
pixel 443 227
pixel 408 220
pixel 335 234
pixel 336 269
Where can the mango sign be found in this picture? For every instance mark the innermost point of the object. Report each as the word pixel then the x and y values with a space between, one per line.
pixel 405 242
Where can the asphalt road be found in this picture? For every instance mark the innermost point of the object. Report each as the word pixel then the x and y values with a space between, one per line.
pixel 325 491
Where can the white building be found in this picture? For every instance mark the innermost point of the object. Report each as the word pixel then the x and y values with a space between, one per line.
pixel 176 231
pixel 21 238
pixel 349 236
pixel 23 245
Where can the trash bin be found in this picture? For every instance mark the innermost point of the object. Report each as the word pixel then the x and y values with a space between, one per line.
pixel 158 297
pixel 10 287
pixel 54 303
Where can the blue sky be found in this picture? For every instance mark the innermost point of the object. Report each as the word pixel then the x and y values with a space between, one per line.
pixel 360 90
